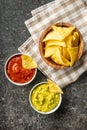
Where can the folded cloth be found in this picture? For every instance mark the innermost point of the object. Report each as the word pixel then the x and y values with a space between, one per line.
pixel 74 12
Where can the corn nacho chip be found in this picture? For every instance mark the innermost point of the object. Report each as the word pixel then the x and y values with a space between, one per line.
pixel 58 58
pixel 55 42
pixel 28 62
pixel 58 33
pixel 65 61
pixel 49 50
pixel 65 53
pixel 69 41
pixel 51 36
pixel 75 39
pixel 63 32
pixel 54 87
pixel 73 52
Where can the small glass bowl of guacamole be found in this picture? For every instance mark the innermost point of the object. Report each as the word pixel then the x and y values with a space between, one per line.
pixel 42 100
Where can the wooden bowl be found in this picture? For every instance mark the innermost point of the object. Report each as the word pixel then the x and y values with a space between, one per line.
pixel 49 61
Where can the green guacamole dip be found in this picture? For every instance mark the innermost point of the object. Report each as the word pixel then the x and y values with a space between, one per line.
pixel 44 100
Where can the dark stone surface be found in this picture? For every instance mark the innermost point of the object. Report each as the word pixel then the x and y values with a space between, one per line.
pixel 15 110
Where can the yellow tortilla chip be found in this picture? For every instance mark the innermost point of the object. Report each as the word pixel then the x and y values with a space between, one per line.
pixel 72 40
pixel 73 52
pixel 55 42
pixel 59 59
pixel 65 53
pixel 28 62
pixel 58 33
pixel 49 50
pixel 66 62
pixel 53 87
pixel 75 39
pixel 69 41
pixel 63 32
pixel 51 36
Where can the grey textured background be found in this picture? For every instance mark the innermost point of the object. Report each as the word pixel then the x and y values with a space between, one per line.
pixel 15 110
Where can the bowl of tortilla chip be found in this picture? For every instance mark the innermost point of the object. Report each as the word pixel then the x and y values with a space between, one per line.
pixel 61 45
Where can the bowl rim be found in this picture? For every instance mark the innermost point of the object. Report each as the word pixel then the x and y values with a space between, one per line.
pixel 44 33
pixel 45 113
pixel 15 83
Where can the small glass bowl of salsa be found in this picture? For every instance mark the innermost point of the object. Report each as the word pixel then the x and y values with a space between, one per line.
pixel 42 100
pixel 15 73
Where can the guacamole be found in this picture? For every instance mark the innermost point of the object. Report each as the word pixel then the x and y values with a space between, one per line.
pixel 44 100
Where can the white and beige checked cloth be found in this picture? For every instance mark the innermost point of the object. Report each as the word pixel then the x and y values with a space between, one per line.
pixel 72 11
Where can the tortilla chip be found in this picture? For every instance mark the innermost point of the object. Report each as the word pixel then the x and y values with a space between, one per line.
pixel 69 41
pixel 53 87
pixel 73 52
pixel 51 36
pixel 59 59
pixel 49 50
pixel 75 39
pixel 65 53
pixel 55 42
pixel 28 62
pixel 63 32
pixel 66 62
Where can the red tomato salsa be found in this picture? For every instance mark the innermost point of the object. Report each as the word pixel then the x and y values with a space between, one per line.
pixel 16 72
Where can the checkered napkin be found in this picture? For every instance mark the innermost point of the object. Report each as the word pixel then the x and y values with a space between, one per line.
pixel 72 11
